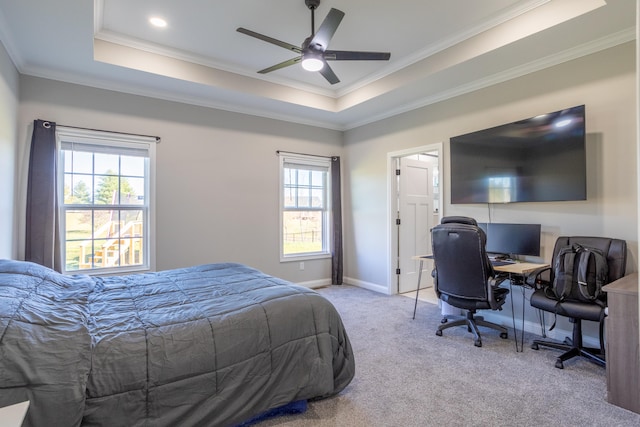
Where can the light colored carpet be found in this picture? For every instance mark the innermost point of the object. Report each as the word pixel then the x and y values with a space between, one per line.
pixel 407 376
pixel 426 295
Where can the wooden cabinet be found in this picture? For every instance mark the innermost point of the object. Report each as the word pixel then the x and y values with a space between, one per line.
pixel 622 350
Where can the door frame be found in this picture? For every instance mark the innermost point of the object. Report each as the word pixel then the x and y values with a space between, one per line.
pixel 392 197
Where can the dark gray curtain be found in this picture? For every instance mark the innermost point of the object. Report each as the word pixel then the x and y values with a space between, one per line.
pixel 336 211
pixel 42 238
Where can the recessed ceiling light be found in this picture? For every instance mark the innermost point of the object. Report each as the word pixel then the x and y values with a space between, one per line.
pixel 158 22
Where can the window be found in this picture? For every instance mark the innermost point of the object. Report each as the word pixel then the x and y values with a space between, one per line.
pixel 105 185
pixel 304 207
pixel 502 185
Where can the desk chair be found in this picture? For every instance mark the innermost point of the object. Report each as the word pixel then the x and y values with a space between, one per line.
pixel 615 251
pixel 464 277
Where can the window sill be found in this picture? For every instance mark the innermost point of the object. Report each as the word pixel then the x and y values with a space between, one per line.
pixel 297 258
pixel 110 271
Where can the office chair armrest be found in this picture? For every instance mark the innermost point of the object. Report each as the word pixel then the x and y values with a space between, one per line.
pixel 493 284
pixel 434 274
pixel 535 278
pixel 496 280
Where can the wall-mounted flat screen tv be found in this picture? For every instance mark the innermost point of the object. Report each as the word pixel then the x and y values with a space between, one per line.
pixel 540 159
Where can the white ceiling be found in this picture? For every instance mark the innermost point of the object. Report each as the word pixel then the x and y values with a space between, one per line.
pixel 439 49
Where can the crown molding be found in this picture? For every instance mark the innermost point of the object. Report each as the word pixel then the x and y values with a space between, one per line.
pixel 595 46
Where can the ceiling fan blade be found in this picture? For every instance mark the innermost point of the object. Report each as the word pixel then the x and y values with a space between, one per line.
pixel 328 74
pixel 268 39
pixel 286 63
pixel 347 55
pixel 327 28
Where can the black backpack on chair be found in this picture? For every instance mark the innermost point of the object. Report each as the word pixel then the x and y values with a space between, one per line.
pixel 563 296
pixel 580 273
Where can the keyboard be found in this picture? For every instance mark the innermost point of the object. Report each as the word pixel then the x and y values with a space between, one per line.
pixel 499 262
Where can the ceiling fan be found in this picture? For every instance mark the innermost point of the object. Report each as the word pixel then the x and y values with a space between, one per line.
pixel 313 52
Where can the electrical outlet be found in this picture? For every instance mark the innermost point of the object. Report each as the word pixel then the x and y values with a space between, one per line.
pixel 302 266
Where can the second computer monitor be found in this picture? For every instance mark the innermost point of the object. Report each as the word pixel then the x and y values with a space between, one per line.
pixel 512 239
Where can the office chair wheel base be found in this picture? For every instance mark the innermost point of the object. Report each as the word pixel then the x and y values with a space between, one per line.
pixel 535 346
pixel 477 343
pixel 504 335
pixel 439 333
pixel 559 364
pixel 444 320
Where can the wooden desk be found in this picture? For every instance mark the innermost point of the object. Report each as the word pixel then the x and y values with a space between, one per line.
pixel 421 258
pixel 517 272
pixel 519 268
pixel 622 350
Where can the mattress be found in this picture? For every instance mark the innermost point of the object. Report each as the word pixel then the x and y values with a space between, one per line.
pixel 212 344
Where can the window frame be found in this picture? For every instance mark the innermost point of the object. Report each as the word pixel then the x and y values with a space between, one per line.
pixel 116 143
pixel 313 162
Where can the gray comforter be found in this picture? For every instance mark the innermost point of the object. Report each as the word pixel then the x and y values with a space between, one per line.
pixel 210 345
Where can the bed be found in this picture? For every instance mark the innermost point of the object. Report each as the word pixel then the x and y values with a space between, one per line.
pixel 212 345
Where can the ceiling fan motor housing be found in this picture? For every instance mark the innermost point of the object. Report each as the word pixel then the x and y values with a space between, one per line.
pixel 307 45
pixel 312 4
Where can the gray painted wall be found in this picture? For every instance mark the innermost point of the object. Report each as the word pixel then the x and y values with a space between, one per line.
pixel 8 141
pixel 605 82
pixel 217 172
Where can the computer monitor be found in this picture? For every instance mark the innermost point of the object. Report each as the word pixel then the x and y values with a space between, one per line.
pixel 512 239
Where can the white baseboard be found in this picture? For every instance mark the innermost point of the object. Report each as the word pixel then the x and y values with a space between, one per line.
pixel 366 285
pixel 313 284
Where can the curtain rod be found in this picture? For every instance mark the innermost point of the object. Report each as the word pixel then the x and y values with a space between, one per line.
pixel 158 139
pixel 305 154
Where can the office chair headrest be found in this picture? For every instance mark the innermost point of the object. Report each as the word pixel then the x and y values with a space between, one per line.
pixel 459 220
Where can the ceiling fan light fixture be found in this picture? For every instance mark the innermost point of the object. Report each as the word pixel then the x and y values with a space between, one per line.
pixel 312 61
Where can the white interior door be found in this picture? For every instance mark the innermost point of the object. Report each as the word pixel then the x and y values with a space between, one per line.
pixel 416 214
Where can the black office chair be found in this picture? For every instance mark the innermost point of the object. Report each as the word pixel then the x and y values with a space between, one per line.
pixel 464 277
pixel 615 251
